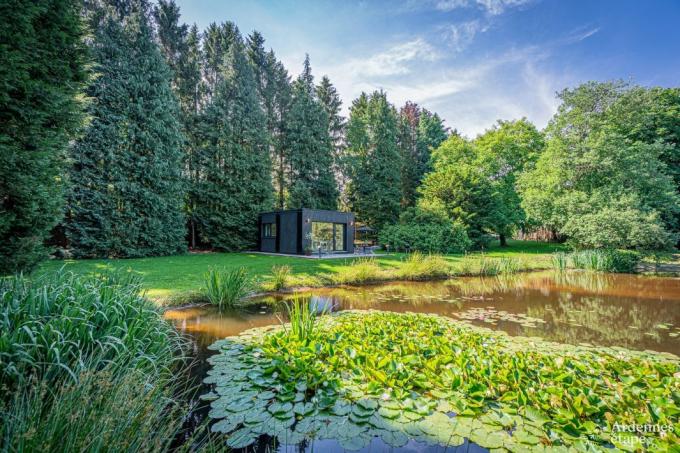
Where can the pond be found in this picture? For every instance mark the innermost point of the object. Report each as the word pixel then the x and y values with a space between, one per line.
pixel 635 312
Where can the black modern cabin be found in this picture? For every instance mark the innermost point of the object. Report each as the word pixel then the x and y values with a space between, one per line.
pixel 306 231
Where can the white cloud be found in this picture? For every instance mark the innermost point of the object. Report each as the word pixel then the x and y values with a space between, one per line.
pixel 395 60
pixel 459 36
pixel 492 7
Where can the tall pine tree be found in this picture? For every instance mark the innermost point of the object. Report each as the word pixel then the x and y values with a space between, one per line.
pixel 127 192
pixel 308 148
pixel 42 60
pixel 374 160
pixel 235 169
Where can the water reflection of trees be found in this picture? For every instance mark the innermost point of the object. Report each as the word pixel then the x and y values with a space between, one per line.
pixel 626 323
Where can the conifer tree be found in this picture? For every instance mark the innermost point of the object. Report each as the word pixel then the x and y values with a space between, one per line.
pixel 420 132
pixel 180 45
pixel 308 148
pixel 234 158
pixel 127 192
pixel 42 59
pixel 275 96
pixel 330 100
pixel 374 160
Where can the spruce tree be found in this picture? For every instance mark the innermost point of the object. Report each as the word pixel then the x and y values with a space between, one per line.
pixel 330 100
pixel 420 132
pixel 126 199
pixel 42 59
pixel 374 160
pixel 180 45
pixel 308 148
pixel 234 158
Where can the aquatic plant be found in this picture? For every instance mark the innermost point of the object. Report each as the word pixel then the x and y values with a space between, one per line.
pixel 280 277
pixel 419 266
pixel 405 376
pixel 227 288
pixel 560 261
pixel 302 317
pixel 625 261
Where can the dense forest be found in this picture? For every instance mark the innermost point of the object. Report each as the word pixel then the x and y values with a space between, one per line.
pixel 127 133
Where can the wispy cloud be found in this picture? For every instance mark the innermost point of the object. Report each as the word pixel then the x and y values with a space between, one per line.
pixel 492 7
pixel 580 34
pixel 459 36
pixel 396 60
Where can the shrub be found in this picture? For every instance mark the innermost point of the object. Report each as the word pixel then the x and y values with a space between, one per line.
pixel 227 288
pixel 51 326
pixel 280 277
pixel 425 230
pixel 418 266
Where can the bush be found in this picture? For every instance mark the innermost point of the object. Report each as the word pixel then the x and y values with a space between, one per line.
pixel 51 326
pixel 425 230
pixel 227 288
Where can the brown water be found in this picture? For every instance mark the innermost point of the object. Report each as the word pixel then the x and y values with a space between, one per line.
pixel 635 312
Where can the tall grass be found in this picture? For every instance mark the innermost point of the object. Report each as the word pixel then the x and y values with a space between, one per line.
pixel 280 277
pixel 364 270
pixel 108 410
pixel 50 326
pixel 303 316
pixel 86 364
pixel 227 288
pixel 419 266
pixel 598 260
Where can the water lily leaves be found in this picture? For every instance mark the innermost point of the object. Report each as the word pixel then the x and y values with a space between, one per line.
pixel 241 438
pixel 440 382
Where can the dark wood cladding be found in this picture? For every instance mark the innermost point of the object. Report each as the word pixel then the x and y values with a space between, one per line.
pixel 293 228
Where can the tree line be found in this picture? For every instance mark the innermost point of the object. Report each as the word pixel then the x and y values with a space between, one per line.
pixel 128 133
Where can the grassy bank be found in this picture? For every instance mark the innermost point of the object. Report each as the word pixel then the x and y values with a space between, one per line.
pixel 176 279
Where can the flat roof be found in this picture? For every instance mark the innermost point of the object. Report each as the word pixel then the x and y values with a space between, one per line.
pixel 278 211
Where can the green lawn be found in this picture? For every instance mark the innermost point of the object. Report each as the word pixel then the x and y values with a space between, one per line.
pixel 170 278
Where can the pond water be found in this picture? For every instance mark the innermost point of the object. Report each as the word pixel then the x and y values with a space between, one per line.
pixel 636 312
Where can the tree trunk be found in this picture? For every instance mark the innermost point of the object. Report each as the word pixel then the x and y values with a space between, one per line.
pixel 504 242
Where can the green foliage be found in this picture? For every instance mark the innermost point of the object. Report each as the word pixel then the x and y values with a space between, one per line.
pixel 624 261
pixel 399 377
pixel 373 160
pixel 84 355
pixel 418 266
pixel 104 411
pixel 363 270
pixel 235 182
pixel 302 318
pixel 51 327
pixel 601 181
pixel 127 193
pixel 41 82
pixel 308 149
pixel 280 277
pixel 425 229
pixel 420 131
pixel 227 288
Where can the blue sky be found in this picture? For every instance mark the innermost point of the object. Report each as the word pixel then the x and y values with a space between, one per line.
pixel 472 61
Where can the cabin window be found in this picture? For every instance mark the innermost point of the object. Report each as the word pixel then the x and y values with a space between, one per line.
pixel 269 230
